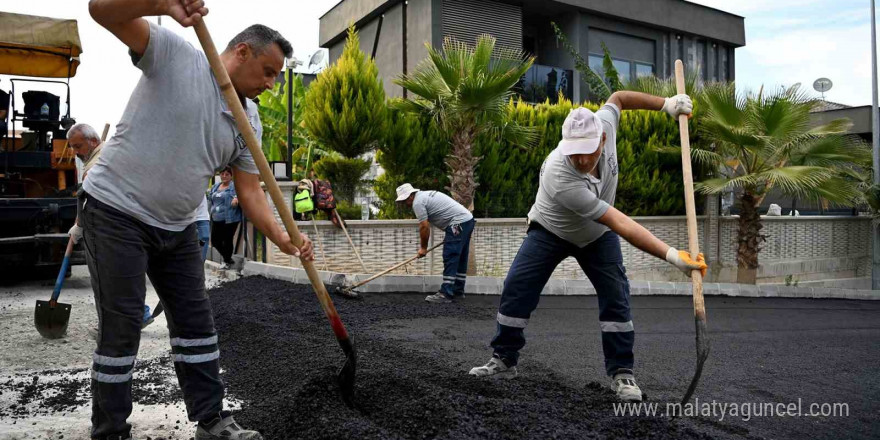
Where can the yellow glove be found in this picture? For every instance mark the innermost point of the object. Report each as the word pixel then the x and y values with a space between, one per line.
pixel 683 261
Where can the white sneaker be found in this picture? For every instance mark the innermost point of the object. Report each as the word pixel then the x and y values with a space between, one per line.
pixel 496 369
pixel 624 384
pixel 438 297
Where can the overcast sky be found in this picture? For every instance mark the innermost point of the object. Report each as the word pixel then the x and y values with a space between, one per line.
pixel 787 41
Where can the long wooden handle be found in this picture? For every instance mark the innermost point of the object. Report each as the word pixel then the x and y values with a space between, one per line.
pixel 690 208
pixel 353 249
pixel 396 266
pixel 241 120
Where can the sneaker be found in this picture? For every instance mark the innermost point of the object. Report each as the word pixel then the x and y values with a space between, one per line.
pixel 458 297
pixel 624 384
pixel 224 427
pixel 439 298
pixel 496 368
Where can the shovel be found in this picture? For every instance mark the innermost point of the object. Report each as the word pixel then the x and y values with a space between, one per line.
pixel 350 292
pixel 51 317
pixel 693 242
pixel 346 376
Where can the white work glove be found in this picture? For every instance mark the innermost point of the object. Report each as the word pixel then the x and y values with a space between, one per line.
pixel 76 233
pixel 683 261
pixel 678 105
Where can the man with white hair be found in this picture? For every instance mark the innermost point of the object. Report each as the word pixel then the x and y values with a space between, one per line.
pixel 574 216
pixel 83 139
pixel 440 210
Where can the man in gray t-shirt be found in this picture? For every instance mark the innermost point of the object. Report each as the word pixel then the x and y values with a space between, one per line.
pixel 440 210
pixel 574 216
pixel 139 203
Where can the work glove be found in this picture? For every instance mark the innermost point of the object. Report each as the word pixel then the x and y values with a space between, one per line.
pixel 678 105
pixel 683 261
pixel 75 233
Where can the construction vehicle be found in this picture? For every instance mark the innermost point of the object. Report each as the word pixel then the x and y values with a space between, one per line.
pixel 38 173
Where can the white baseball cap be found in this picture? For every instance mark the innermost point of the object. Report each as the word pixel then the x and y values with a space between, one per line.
pixel 403 191
pixel 581 132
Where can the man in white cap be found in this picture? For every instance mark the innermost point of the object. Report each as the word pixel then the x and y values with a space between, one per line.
pixel 573 216
pixel 440 210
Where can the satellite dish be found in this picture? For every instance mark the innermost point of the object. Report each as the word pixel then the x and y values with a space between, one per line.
pixel 822 85
pixel 316 58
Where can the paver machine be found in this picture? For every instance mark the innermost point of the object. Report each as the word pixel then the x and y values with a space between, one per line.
pixel 38 174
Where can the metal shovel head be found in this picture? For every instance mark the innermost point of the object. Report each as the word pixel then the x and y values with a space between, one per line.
pixel 347 374
pixel 51 321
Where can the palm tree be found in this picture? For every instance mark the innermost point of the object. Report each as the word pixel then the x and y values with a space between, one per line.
pixel 763 142
pixel 465 90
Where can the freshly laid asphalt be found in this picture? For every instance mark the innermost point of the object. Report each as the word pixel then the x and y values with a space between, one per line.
pixel 279 357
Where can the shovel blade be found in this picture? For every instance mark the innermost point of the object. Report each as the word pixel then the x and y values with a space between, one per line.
pixel 347 374
pixel 51 321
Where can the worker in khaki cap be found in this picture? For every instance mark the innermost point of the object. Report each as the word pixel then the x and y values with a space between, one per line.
pixel 574 216
pixel 440 210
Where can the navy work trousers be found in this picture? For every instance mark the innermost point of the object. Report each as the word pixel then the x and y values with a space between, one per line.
pixel 456 244
pixel 532 267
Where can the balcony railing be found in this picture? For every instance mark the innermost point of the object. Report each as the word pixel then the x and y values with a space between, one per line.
pixel 541 83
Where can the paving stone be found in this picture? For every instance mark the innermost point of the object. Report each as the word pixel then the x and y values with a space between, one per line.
pixel 483 286
pixel 554 287
pixel 729 289
pixel 579 287
pixel 749 290
pixel 403 283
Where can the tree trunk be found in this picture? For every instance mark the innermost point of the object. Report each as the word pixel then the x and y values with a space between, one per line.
pixel 462 183
pixel 749 240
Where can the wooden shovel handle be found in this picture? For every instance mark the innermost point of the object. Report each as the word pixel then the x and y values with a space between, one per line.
pixel 241 120
pixel 393 267
pixel 693 238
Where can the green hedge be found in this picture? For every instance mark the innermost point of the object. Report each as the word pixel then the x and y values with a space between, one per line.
pixel 650 181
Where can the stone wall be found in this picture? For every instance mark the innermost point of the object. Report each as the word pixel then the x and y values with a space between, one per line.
pixel 807 248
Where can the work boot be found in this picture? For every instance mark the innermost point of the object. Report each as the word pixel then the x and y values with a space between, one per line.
pixel 496 369
pixel 439 298
pixel 224 427
pixel 624 384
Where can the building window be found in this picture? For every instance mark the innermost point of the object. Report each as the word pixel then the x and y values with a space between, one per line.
pixel 643 69
pixel 625 68
pixel 542 82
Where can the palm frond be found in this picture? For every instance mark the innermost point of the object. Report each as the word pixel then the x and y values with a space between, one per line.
pixel 795 180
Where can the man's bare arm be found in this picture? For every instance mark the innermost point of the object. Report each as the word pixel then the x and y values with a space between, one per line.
pixel 253 202
pixel 634 233
pixel 123 18
pixel 626 100
pixel 424 234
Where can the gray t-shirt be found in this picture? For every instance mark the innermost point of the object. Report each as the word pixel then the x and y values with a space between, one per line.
pixel 175 133
pixel 439 209
pixel 569 202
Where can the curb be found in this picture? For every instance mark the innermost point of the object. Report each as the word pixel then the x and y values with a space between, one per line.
pixel 492 285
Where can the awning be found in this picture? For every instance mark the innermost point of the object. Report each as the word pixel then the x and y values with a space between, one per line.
pixel 38 46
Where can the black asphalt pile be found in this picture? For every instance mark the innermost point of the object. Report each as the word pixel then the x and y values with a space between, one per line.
pixel 280 358
pixel 55 392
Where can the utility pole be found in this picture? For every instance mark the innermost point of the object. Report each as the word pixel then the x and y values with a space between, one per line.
pixel 875 136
